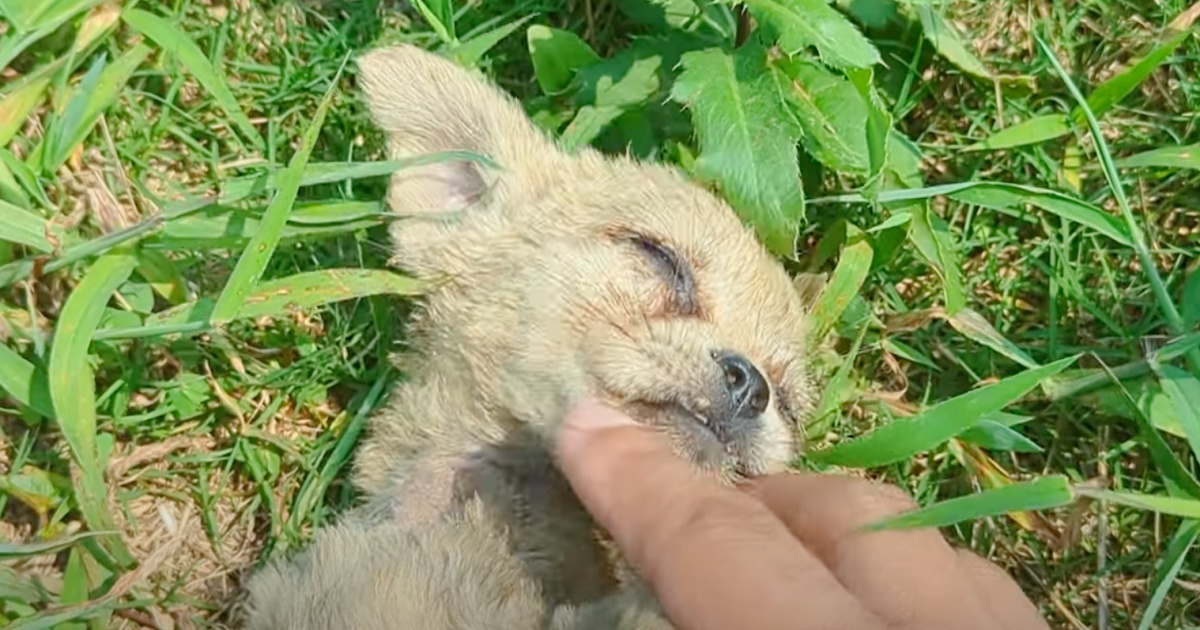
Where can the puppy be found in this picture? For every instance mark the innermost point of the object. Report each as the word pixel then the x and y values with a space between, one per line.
pixel 554 276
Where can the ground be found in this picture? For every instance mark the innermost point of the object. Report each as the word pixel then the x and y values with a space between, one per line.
pixel 225 445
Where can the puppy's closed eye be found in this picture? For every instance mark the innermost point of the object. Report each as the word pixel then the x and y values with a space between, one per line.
pixel 674 270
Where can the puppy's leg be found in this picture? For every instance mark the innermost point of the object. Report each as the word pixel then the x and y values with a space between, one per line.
pixel 456 574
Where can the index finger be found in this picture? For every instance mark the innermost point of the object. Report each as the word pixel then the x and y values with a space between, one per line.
pixel 715 557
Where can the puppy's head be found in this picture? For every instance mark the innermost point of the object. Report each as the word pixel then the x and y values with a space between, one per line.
pixel 573 274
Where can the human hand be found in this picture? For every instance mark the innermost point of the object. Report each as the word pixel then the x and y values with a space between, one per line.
pixel 782 552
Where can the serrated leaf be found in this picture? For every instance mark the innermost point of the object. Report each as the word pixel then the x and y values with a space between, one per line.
pixel 948 43
pixel 1041 494
pixel 878 126
pixel 174 41
pixel 557 55
pixel 801 24
pixel 831 112
pixel 932 427
pixel 747 139
pixel 1182 157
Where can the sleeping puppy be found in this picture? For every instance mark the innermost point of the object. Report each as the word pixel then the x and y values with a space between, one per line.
pixel 553 276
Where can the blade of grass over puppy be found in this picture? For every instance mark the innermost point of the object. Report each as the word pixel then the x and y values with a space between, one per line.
pixel 1041 494
pixel 1001 196
pixel 72 388
pixel 178 44
pixel 902 439
pixel 254 259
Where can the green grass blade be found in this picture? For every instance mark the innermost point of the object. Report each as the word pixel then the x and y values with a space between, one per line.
pixel 87 105
pixel 1182 157
pixel 258 253
pixel 10 550
pixel 72 387
pixel 21 226
pixel 1176 476
pixel 902 439
pixel 24 383
pixel 18 103
pixel 932 238
pixel 1175 506
pixel 1178 347
pixel 1004 196
pixel 852 268
pixel 1168 568
pixel 1120 85
pixel 178 44
pixel 278 297
pixel 1184 391
pixel 1041 494
pixel 1148 263
pixel 973 326
pixel 1026 132
pixel 948 43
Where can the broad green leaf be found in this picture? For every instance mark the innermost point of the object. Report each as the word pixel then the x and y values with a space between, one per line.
pixel 995 436
pixel 26 228
pixel 557 55
pixel 609 88
pixel 589 122
pixel 1004 196
pixel 801 24
pixel 254 259
pixel 275 298
pixel 73 387
pixel 1169 565
pixel 831 112
pixel 847 279
pixel 1186 508
pixel 1187 156
pixel 948 43
pixel 932 427
pixel 469 53
pixel 24 382
pixel 1183 390
pixel 174 41
pixel 747 139
pixel 1040 494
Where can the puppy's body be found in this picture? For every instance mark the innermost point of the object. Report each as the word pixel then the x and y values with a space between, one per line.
pixel 557 276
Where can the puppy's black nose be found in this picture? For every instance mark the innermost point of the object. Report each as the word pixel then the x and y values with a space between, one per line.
pixel 748 390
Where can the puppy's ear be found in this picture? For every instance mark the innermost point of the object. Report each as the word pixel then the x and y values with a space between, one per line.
pixel 424 104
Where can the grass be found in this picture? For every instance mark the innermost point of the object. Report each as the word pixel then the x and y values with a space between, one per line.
pixel 196 315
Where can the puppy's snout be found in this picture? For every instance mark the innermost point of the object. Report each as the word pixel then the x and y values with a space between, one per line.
pixel 749 393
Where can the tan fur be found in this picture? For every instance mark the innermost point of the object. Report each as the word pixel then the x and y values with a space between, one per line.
pixel 541 298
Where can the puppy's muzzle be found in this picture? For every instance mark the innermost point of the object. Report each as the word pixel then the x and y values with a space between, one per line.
pixel 744 398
